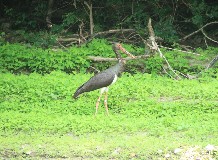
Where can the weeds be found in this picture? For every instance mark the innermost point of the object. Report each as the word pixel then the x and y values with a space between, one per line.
pixel 39 118
pixel 17 58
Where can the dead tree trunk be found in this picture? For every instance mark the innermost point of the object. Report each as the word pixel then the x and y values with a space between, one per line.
pixel 152 45
pixel 48 17
pixel 90 16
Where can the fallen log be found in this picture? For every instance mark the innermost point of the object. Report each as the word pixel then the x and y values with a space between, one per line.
pixel 103 59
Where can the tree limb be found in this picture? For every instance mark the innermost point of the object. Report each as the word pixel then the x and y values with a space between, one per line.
pixel 67 39
pixel 108 32
pixel 154 47
pixel 207 36
pixel 150 29
pixel 180 50
pixel 212 63
pixel 184 38
pixel 103 59
pixel 112 31
pixel 90 16
pixel 48 17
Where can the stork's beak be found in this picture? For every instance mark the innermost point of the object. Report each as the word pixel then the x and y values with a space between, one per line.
pixel 126 52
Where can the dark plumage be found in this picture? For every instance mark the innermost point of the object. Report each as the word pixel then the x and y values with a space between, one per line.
pixel 101 79
pixel 104 78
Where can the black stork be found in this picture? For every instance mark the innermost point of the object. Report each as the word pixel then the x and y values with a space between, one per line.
pixel 104 79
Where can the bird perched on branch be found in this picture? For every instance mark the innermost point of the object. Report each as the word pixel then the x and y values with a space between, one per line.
pixel 104 79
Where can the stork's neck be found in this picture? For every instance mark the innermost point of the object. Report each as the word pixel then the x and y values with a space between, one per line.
pixel 119 58
pixel 119 67
pixel 118 55
pixel 121 61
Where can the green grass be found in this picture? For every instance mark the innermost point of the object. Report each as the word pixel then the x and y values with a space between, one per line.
pixel 150 116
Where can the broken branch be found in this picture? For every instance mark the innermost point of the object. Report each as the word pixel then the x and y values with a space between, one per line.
pixel 184 38
pixel 103 59
pixel 207 36
pixel 179 50
pixel 67 39
pixel 151 43
pixel 212 63
pixel 112 31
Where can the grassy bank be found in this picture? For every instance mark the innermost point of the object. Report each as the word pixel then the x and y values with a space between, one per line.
pixel 149 117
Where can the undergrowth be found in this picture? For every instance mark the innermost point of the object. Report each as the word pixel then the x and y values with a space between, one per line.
pixel 153 113
pixel 17 58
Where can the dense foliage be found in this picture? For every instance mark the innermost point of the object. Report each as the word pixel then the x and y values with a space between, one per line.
pixel 153 113
pixel 171 19
pixel 18 58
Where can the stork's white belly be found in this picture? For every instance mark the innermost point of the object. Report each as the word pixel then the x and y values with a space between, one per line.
pixel 115 79
pixel 105 89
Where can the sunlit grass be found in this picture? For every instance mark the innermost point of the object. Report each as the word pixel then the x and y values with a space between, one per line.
pixel 149 117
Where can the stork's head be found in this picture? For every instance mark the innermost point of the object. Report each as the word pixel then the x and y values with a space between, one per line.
pixel 118 46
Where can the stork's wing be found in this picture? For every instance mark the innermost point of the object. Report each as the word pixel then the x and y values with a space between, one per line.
pixel 100 80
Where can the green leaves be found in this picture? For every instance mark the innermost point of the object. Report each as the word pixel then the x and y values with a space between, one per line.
pixel 44 103
pixel 18 58
pixel 141 107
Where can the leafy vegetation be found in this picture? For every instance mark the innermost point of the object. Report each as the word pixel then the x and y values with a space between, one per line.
pixel 18 58
pixel 39 118
pixel 176 18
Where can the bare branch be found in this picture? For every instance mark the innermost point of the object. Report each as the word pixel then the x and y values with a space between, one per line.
pixel 154 47
pixel 90 17
pixel 96 70
pixel 68 39
pixel 212 63
pixel 61 44
pixel 180 50
pixel 184 38
pixel 150 29
pixel 205 40
pixel 48 17
pixel 113 31
pixel 207 36
pixel 168 73
pixel 103 59
pixel 108 32
pixel 161 54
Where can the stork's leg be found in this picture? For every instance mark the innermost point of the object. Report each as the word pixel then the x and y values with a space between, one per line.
pixel 97 103
pixel 99 98
pixel 105 102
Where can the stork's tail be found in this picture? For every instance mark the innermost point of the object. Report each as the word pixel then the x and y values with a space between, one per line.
pixel 78 92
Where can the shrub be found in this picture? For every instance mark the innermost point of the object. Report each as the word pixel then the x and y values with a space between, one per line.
pixel 18 58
